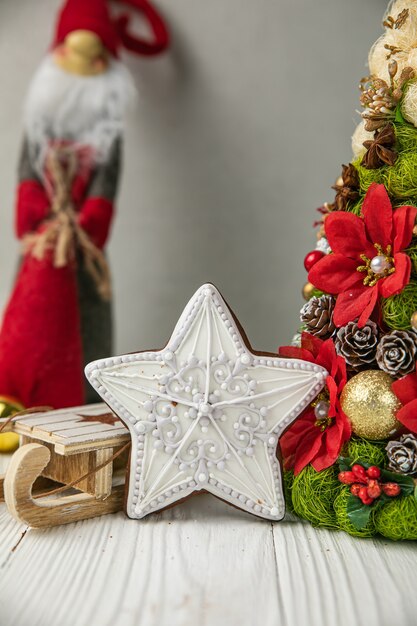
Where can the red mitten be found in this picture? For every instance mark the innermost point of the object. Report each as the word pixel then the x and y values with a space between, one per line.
pixel 32 207
pixel 95 218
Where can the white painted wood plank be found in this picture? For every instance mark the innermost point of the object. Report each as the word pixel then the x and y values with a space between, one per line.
pixel 12 534
pixel 342 580
pixel 200 563
pixel 203 563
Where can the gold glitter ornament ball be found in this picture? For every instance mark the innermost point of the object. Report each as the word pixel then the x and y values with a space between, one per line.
pixel 371 405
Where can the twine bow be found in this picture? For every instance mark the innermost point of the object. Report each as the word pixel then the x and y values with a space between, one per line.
pixel 61 233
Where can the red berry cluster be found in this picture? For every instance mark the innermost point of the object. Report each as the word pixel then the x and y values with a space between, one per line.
pixel 367 485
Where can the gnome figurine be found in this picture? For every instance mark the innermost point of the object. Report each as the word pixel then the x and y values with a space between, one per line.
pixel 59 314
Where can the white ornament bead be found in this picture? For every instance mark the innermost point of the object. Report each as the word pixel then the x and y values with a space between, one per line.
pixel 321 410
pixel 379 264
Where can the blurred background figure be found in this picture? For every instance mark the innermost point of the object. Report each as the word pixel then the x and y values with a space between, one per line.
pixel 59 315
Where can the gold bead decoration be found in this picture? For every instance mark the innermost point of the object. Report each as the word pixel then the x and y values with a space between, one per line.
pixel 308 291
pixel 413 320
pixel 371 405
pixel 9 442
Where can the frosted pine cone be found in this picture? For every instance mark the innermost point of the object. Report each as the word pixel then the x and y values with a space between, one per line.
pixel 402 454
pixel 317 316
pixel 357 345
pixel 323 245
pixel 396 353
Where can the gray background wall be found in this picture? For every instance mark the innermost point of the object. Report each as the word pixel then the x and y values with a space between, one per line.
pixel 238 134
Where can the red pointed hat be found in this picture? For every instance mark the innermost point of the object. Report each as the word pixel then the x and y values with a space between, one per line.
pixel 94 15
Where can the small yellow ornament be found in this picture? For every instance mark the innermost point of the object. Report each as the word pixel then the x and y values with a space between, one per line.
pixel 371 405
pixel 413 320
pixel 308 291
pixel 9 442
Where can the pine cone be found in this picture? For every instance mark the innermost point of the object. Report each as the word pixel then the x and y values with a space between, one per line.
pixel 317 316
pixel 396 353
pixel 357 345
pixel 402 454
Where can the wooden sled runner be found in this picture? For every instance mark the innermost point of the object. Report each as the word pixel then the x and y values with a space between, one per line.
pixel 57 448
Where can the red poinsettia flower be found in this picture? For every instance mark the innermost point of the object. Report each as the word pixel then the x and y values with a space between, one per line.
pixel 406 391
pixel 367 259
pixel 317 436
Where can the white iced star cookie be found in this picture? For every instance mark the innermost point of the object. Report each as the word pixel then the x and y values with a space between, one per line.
pixel 206 412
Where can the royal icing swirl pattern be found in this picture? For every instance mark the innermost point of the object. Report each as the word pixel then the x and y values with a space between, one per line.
pixel 206 413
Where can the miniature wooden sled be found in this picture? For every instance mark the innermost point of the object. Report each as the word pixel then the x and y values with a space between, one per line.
pixel 61 446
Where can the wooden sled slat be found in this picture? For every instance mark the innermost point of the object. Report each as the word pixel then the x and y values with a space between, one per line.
pixel 81 444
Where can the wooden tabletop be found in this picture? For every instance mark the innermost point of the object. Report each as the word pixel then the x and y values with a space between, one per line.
pixel 201 563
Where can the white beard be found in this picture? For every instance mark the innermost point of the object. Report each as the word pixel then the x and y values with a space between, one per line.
pixel 87 110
